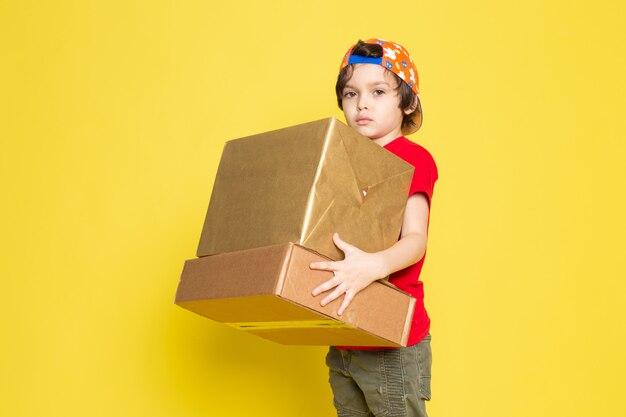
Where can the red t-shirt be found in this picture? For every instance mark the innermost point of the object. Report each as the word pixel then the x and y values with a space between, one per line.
pixel 424 178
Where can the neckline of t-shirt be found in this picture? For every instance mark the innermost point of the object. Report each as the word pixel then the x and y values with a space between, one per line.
pixel 393 142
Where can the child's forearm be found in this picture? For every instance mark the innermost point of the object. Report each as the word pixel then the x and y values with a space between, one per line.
pixel 404 253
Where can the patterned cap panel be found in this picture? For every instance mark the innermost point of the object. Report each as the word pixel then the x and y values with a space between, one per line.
pixel 395 58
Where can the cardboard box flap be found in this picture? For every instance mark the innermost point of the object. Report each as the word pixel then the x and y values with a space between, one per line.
pixel 322 337
pixel 360 191
pixel 371 163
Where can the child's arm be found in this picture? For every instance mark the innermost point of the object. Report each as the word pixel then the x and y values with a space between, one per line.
pixel 359 269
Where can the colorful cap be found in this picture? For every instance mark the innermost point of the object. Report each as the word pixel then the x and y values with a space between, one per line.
pixel 397 60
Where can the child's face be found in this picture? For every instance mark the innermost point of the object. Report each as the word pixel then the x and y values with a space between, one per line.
pixel 371 103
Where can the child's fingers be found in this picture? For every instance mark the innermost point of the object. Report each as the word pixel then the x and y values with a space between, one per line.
pixel 328 285
pixel 346 302
pixel 324 266
pixel 332 296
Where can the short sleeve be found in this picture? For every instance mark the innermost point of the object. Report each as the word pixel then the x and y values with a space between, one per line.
pixel 425 174
pixel 425 170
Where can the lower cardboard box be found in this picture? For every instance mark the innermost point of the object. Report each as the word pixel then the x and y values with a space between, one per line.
pixel 267 292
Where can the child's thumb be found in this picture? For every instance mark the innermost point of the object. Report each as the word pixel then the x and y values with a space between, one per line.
pixel 344 246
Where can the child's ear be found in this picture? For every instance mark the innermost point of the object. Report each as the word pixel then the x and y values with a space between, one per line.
pixel 412 107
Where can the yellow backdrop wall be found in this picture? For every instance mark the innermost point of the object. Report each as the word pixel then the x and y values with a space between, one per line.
pixel 113 117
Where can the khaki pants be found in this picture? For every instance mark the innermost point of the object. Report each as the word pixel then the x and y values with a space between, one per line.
pixel 381 383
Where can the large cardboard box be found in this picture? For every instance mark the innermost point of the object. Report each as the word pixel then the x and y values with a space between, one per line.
pixel 300 184
pixel 267 291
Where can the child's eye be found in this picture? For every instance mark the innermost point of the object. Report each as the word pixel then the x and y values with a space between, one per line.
pixel 379 92
pixel 349 94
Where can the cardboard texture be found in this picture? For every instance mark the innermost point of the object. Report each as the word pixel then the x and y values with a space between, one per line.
pixel 300 184
pixel 267 292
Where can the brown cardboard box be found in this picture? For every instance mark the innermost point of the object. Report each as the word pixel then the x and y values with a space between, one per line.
pixel 267 291
pixel 300 184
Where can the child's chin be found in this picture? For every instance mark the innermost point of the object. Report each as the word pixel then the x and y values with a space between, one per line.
pixel 362 130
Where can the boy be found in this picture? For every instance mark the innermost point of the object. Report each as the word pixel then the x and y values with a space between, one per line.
pixel 377 89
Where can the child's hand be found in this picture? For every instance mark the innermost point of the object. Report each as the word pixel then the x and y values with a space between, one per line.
pixel 358 270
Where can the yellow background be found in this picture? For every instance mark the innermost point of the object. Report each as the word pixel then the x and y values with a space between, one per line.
pixel 113 117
